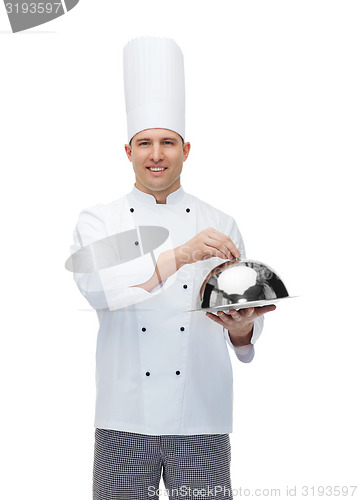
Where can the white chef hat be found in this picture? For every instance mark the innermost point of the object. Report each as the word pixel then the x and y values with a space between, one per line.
pixel 154 85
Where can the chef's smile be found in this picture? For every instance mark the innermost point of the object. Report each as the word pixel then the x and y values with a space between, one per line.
pixel 156 170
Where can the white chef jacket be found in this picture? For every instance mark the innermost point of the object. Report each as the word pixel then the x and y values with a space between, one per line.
pixel 160 367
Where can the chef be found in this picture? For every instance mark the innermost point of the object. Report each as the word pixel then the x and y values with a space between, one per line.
pixel 163 372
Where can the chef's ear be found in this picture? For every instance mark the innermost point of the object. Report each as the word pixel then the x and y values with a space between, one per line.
pixel 128 149
pixel 186 149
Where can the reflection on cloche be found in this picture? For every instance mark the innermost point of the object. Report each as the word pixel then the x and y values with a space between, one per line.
pixel 240 284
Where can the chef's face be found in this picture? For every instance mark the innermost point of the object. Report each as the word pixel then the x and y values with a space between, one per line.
pixel 157 156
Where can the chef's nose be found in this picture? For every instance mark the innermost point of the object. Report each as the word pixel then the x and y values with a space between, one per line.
pixel 156 153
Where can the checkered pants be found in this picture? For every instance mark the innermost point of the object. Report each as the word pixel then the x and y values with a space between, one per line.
pixel 128 466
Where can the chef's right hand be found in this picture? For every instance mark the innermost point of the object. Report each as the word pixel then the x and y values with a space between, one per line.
pixel 206 244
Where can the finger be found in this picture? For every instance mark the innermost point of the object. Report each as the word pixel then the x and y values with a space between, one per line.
pixel 215 318
pixel 213 252
pixel 248 312
pixel 225 318
pixel 225 241
pixel 219 249
pixel 260 311
pixel 235 314
pixel 225 246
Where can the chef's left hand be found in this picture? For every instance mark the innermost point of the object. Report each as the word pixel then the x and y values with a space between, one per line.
pixel 240 323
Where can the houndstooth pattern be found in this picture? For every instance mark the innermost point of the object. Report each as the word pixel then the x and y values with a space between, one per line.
pixel 128 466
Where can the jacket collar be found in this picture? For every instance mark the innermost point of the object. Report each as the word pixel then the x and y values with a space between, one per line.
pixel 172 198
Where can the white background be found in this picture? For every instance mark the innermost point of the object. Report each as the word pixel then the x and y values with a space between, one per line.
pixel 272 117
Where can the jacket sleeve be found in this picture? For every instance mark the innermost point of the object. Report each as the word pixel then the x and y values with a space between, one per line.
pixel 114 287
pixel 244 353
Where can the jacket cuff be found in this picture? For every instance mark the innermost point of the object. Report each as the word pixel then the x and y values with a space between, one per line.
pixel 244 353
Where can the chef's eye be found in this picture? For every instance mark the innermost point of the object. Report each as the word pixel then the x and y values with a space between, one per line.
pixel 168 142
pixel 143 143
